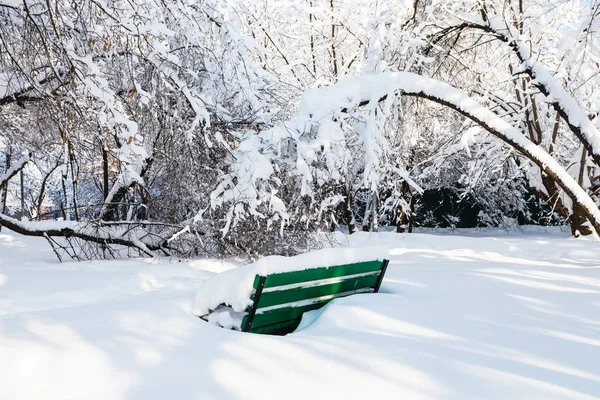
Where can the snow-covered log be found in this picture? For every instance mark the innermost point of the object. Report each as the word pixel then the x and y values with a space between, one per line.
pixel 320 103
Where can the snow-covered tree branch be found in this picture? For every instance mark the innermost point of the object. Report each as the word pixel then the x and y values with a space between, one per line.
pixel 13 170
pixel 290 119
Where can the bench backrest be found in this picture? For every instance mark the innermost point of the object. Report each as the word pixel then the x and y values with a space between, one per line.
pixel 279 300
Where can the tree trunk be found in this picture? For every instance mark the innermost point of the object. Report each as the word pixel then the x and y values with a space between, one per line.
pixel 401 216
pixel 143 213
pixel 65 202
pixel 40 199
pixel 4 195
pixel 411 220
pixel 105 171
pixel 74 178
pixel 366 222
pixel 22 195
pixel 349 214
pixel 312 40
pixel 578 221
pixel 333 50
pixel 401 220
pixel 374 220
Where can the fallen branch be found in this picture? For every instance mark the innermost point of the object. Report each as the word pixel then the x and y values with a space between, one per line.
pixel 89 232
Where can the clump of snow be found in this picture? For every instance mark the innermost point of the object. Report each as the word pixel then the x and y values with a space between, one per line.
pixel 226 318
pixel 234 287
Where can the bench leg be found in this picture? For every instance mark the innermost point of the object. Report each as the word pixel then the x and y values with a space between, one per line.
pixel 252 312
pixel 383 269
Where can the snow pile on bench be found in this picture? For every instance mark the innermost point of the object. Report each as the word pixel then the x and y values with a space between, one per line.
pixel 234 287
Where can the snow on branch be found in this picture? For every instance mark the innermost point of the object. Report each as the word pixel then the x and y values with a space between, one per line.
pixel 12 171
pixel 571 112
pixel 100 234
pixel 326 103
pixel 107 239
pixel 126 179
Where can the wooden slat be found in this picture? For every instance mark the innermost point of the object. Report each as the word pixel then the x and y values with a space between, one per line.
pixel 302 293
pixel 280 328
pixel 319 282
pixel 256 280
pixel 294 310
pixel 287 278
pixel 283 314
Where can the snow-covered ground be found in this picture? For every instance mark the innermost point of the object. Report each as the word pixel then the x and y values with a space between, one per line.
pixel 465 315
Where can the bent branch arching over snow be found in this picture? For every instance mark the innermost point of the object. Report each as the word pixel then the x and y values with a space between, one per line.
pixel 323 102
pixel 556 95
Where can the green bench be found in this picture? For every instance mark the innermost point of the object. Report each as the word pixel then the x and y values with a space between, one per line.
pixel 280 299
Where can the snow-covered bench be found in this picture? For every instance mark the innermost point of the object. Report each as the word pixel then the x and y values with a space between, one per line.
pixel 271 296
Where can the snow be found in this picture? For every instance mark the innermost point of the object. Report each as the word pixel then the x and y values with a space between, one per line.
pixel 467 315
pixel 234 287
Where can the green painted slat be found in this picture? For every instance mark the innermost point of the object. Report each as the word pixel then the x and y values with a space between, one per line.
pixel 303 293
pixel 287 326
pixel 287 278
pixel 293 312
pixel 256 279
pixel 283 314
